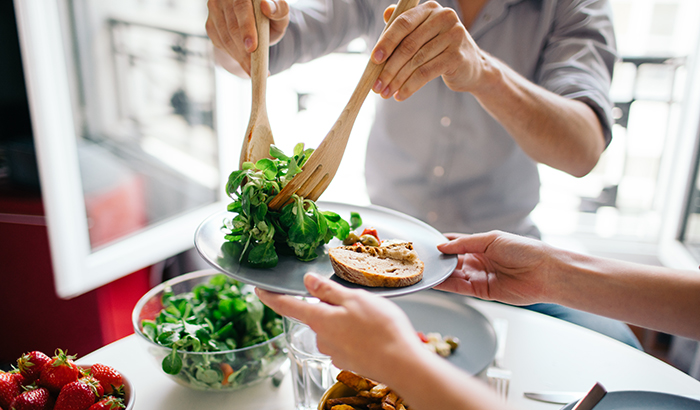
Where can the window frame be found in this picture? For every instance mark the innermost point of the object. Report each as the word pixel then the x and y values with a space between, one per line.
pixel 77 268
pixel 672 250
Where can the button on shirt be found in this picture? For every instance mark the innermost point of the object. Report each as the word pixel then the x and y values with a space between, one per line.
pixel 439 156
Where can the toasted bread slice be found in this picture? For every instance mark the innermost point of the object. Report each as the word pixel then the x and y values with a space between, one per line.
pixel 393 265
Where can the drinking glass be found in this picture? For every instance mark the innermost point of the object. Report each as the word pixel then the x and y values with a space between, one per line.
pixel 312 371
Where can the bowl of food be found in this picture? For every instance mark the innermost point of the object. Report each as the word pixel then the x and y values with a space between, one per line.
pixel 208 331
pixel 359 392
pixel 48 382
pixel 117 390
pixel 336 391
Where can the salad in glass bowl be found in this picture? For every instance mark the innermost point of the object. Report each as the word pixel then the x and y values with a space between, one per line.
pixel 208 331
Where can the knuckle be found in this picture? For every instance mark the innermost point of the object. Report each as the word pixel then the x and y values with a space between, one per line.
pixel 409 46
pixel 240 6
pixel 209 27
pixel 232 25
pixel 433 5
pixel 356 303
pixel 419 58
pixel 324 289
pixel 423 72
pixel 449 15
pixel 404 23
pixel 228 42
pixel 454 35
pixel 455 30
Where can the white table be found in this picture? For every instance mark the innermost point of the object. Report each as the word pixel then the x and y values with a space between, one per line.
pixel 542 352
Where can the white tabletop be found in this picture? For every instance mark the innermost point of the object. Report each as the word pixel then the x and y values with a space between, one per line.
pixel 543 353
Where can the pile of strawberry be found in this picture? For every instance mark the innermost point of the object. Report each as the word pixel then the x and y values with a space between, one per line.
pixel 41 382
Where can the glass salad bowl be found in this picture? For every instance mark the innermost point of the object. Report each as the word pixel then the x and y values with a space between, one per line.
pixel 209 332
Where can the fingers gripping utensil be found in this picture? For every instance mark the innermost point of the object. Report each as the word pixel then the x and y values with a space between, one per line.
pixel 321 167
pixel 258 136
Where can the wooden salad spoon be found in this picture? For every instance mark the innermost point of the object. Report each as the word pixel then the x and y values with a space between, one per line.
pixel 258 136
pixel 322 165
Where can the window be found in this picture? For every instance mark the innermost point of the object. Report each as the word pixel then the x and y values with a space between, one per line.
pixel 625 196
pixel 122 101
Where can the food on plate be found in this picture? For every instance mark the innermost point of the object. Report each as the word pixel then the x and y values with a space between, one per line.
pixel 392 264
pixel 436 343
pixel 257 234
pixel 217 315
pixel 368 237
pixel 57 383
pixel 369 395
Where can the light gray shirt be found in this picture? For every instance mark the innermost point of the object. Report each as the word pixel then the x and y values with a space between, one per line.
pixel 439 156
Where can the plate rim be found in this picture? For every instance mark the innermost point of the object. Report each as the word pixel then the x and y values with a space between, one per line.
pixel 382 291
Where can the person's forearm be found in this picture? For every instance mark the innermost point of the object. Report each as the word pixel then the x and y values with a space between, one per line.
pixel 659 298
pixel 560 132
pixel 426 381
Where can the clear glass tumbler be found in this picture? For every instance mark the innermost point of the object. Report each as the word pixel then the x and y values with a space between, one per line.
pixel 312 371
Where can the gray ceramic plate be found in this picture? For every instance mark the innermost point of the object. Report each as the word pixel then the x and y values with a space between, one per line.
pixel 287 276
pixel 447 314
pixel 642 400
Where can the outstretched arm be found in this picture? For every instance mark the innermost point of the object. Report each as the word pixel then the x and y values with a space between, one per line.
pixel 517 270
pixel 373 337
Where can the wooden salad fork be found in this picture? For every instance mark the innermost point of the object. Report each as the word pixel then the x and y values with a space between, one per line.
pixel 322 165
pixel 258 136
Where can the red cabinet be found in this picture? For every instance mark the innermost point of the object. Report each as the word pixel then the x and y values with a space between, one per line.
pixel 33 317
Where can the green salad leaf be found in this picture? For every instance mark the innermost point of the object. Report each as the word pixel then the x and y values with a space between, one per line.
pixel 219 315
pixel 258 234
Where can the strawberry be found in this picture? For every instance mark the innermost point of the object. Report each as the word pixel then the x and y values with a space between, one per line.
pixel 36 399
pixel 30 365
pixel 108 403
pixel 9 389
pixel 19 378
pixel 58 372
pixel 109 377
pixel 76 395
pixel 94 385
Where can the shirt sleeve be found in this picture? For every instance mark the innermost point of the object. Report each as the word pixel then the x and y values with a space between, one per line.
pixel 578 59
pixel 319 27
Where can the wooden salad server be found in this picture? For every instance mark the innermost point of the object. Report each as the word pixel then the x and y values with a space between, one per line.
pixel 258 136
pixel 322 165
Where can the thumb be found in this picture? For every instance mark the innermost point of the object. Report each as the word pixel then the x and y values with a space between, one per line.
pixel 388 12
pixel 275 9
pixel 477 243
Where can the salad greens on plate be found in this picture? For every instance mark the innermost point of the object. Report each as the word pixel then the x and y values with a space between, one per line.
pixel 258 234
pixel 219 315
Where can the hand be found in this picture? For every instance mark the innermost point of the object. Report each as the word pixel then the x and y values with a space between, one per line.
pixel 423 43
pixel 500 266
pixel 231 26
pixel 360 331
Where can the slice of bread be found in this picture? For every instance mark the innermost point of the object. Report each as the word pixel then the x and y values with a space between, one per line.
pixel 393 265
